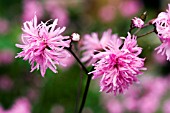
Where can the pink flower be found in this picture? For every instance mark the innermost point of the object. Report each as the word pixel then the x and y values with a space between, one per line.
pixel 57 109
pixel 164 49
pixel 166 106
pixel 6 56
pixel 130 7
pixel 118 67
pixel 30 7
pixel 137 22
pixel 150 104
pixel 107 13
pixel 149 94
pixel 43 45
pixel 4 26
pixel 114 106
pixel 21 105
pixel 68 61
pixel 162 23
pixel 160 59
pixel 92 44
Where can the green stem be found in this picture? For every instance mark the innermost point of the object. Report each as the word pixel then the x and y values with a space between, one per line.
pixel 78 60
pixel 146 33
pixel 88 79
pixel 137 31
pixel 85 93
pixel 79 90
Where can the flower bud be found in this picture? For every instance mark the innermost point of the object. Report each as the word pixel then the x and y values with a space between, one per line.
pixel 75 37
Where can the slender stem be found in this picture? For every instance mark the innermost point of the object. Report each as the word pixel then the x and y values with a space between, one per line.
pixel 137 31
pixel 146 33
pixel 146 25
pixel 79 90
pixel 78 60
pixel 88 79
pixel 85 93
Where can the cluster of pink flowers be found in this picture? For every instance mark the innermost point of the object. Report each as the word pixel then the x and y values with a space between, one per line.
pixel 44 45
pixel 118 66
pixel 117 62
pixel 145 98
pixel 162 24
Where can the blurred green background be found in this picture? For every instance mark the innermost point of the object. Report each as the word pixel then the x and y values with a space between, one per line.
pixel 60 93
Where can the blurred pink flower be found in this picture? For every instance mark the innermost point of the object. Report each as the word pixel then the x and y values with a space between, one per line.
pixel 137 22
pixel 161 59
pixel 57 109
pixel 30 7
pixel 6 56
pixel 92 44
pixel 32 94
pixel 44 45
pixel 107 13
pixel 118 67
pixel 4 26
pixel 145 98
pixel 21 105
pixel 130 7
pixel 57 11
pixel 130 104
pixel 162 23
pixel 147 93
pixel 114 106
pixel 166 106
pixel 68 61
pixel 6 83
pixel 148 104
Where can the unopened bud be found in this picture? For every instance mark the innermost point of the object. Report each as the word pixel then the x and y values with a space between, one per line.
pixel 143 16
pixel 75 37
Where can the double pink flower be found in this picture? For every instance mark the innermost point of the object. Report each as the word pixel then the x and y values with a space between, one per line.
pixel 117 64
pixel 43 45
pixel 162 24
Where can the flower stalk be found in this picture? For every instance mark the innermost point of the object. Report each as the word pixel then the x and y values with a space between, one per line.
pixel 89 76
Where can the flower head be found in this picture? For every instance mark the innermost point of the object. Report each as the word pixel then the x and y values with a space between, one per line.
pixel 137 22
pixel 118 67
pixel 92 44
pixel 44 45
pixel 162 24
